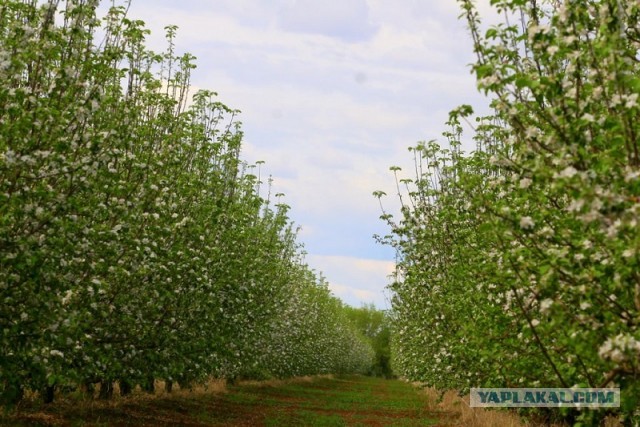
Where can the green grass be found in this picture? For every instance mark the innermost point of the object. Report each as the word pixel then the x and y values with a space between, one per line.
pixel 343 401
pixel 340 401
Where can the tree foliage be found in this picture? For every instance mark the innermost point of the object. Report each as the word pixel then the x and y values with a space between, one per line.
pixel 134 242
pixel 518 262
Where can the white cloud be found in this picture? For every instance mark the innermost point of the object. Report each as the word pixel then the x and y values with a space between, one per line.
pixel 361 296
pixel 366 278
pixel 345 19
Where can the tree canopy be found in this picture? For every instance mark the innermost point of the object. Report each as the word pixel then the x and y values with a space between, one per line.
pixel 135 243
pixel 518 261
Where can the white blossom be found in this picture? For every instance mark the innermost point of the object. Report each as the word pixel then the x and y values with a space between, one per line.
pixel 618 348
pixel 532 132
pixel 568 172
pixel 526 222
pixel 67 297
pixel 545 305
pixel 632 100
pixel 588 117
pixel 616 100
pixel 57 353
pixel 525 183
pixel 534 30
pixel 631 175
pixel 4 63
pixel 546 231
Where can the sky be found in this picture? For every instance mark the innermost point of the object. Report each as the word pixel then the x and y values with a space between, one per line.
pixel 332 94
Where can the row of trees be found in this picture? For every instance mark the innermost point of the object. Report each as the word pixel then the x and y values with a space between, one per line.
pixel 519 262
pixel 134 243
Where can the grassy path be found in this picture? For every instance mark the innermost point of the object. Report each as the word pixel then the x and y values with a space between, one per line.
pixel 340 401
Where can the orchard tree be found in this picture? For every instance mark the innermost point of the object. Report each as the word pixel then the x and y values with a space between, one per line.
pixel 518 262
pixel 135 244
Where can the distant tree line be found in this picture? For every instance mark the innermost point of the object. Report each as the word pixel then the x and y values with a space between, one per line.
pixel 375 326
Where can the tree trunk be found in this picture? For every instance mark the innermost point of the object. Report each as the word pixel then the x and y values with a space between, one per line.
pixel 149 386
pixel 89 389
pixel 11 395
pixel 48 394
pixel 106 390
pixel 125 388
pixel 184 384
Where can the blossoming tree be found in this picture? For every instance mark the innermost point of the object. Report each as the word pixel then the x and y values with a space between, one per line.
pixel 134 243
pixel 518 262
